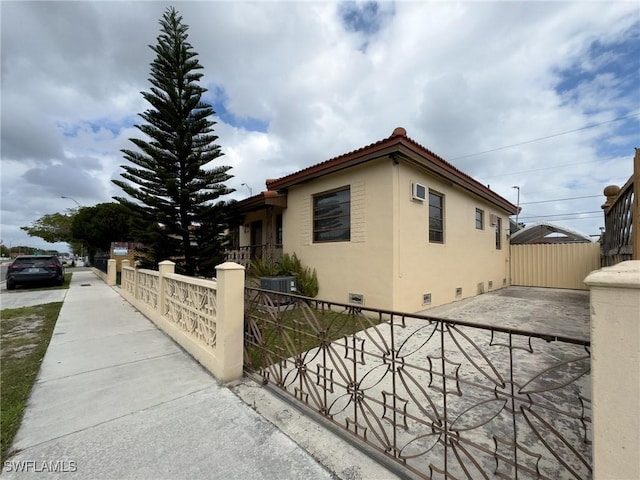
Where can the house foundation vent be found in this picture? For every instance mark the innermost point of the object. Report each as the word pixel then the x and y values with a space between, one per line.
pixel 480 288
pixel 356 298
pixel 426 299
pixel 490 284
pixel 459 292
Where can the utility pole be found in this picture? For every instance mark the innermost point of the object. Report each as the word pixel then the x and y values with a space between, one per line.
pixel 517 187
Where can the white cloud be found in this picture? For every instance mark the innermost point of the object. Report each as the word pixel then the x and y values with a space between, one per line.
pixel 461 78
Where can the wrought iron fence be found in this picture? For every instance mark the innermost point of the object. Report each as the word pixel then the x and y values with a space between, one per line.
pixel 617 243
pixel 445 399
pixel 244 255
pixel 100 262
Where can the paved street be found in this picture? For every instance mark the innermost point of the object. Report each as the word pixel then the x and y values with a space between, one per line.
pixel 3 282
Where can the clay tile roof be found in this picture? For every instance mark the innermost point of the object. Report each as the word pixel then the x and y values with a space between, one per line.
pixel 400 145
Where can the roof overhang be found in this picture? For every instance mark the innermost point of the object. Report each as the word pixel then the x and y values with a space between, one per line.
pixel 398 147
pixel 262 200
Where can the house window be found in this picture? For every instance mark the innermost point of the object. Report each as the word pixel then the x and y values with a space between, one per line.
pixel 436 217
pixel 479 219
pixel 498 233
pixel 332 216
pixel 279 230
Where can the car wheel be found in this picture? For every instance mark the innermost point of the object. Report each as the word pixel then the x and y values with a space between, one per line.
pixel 11 286
pixel 60 282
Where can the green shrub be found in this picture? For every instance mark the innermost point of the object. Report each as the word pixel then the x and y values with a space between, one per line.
pixel 288 265
pixel 264 267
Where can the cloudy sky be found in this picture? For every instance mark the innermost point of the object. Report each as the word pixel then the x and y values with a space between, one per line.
pixel 296 83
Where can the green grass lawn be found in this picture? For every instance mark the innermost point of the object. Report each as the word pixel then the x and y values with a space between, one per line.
pixel 278 335
pixel 24 337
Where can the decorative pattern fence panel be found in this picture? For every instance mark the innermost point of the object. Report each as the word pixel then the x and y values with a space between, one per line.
pixel 191 307
pixel 128 281
pixel 444 399
pixel 148 287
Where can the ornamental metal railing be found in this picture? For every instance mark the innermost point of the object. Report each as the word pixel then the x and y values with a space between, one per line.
pixel 617 243
pixel 100 262
pixel 245 255
pixel 444 399
pixel 621 238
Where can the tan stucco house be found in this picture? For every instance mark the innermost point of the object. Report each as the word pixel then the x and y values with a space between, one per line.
pixel 390 225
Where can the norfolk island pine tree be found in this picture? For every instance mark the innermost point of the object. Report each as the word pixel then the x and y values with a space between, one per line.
pixel 173 191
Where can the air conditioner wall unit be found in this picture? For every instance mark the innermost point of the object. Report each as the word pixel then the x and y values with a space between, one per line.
pixel 418 192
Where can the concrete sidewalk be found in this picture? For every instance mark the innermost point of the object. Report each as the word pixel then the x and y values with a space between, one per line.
pixel 30 298
pixel 116 399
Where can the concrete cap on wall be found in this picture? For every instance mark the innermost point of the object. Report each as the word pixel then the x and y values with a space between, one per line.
pixel 622 275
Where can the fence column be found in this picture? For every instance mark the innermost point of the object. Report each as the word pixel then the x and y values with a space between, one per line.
pixel 111 272
pixel 164 267
pixel 615 370
pixel 230 320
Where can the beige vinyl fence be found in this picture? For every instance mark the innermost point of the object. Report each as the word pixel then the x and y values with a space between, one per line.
pixel 559 265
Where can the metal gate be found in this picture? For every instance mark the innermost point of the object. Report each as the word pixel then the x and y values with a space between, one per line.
pixel 444 399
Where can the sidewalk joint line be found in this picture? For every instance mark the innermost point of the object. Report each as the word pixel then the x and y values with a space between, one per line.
pixel 38 382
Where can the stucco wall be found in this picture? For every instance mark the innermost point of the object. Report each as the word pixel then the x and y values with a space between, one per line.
pixel 363 265
pixel 467 257
pixel 615 370
pixel 244 237
pixel 389 259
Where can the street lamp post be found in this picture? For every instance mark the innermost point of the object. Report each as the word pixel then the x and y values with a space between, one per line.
pixel 82 244
pixel 69 198
pixel 517 187
pixel 248 187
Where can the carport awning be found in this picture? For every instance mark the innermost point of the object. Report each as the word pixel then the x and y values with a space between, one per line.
pixel 545 232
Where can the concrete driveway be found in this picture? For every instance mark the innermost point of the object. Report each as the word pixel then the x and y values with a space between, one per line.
pixel 549 311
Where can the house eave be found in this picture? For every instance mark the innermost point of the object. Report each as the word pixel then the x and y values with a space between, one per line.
pixel 397 147
pixel 262 200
